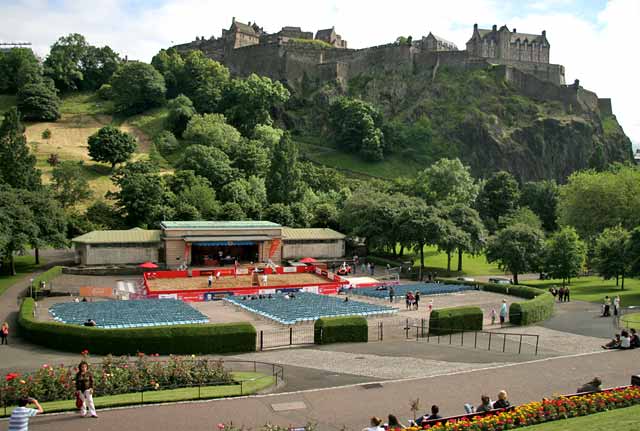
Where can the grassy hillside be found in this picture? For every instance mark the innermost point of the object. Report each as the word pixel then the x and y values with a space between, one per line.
pixel 82 115
pixel 594 289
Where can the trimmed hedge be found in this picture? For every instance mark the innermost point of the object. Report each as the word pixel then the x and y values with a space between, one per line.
pixel 539 307
pixel 455 319
pixel 46 276
pixel 352 329
pixel 180 339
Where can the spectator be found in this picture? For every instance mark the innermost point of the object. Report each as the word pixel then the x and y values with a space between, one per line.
pixel 567 294
pixel 606 311
pixel 375 425
pixel 406 300
pixel 84 299
pixel 4 333
pixel 625 340
pixel 613 344
pixel 493 316
pixel 503 312
pixel 502 402
pixel 417 299
pixel 393 423
pixel 635 341
pixel 485 405
pixel 373 268
pixel 84 387
pixel 392 293
pixel 616 305
pixel 430 306
pixel 90 322
pixel 209 281
pixel 19 420
pixel 435 410
pixel 592 386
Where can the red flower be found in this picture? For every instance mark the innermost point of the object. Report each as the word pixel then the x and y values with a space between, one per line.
pixel 85 352
pixel 11 376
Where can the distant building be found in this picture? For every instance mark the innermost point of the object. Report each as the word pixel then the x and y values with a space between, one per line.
pixel 435 43
pixel 503 44
pixel 240 34
pixel 117 247
pixel 330 36
pixel 636 157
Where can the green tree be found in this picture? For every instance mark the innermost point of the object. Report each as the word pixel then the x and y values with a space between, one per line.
pixel 498 197
pixel 593 201
pixel 49 218
pixel 210 163
pixel 326 214
pixel 468 221
pixel 542 197
pixel 194 197
pixel 250 194
pixel 137 87
pixel 232 211
pixel 39 101
pixel 284 181
pixel 104 216
pixel 248 102
pixel 98 66
pixel 18 66
pixel 251 157
pixel 517 248
pixel 166 142
pixel 111 145
pixel 611 257
pixel 522 215
pixel 212 130
pixel 356 128
pixel 447 182
pixel 321 178
pixel 23 231
pixel 141 196
pixel 69 183
pixel 365 216
pixel 171 65
pixel 203 81
pixel 421 225
pixel 180 112
pixel 64 62
pixel 633 252
pixel 17 164
pixel 279 213
pixel 564 254
pixel 267 135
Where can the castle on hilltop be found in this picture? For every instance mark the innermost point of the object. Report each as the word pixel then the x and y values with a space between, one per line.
pixel 292 55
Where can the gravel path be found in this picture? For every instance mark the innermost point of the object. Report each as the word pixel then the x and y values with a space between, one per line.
pixel 362 364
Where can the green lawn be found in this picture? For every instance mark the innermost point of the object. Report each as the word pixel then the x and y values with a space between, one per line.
pixel 260 381
pixel 471 265
pixel 86 103
pixel 594 289
pixel 24 265
pixel 625 419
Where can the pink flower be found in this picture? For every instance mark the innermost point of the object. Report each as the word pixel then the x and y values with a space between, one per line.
pixel 85 352
pixel 45 366
pixel 220 426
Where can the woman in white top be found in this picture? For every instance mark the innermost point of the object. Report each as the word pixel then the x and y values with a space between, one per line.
pixel 375 425
pixel 625 340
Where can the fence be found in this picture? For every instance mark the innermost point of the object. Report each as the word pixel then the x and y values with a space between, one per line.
pixel 199 390
pixel 489 340
pixel 291 336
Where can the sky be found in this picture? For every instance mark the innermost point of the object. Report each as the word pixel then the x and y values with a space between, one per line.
pixel 593 39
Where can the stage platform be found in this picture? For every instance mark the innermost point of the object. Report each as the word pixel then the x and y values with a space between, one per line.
pixel 193 285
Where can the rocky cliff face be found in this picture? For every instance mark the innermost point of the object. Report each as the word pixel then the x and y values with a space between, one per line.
pixel 487 122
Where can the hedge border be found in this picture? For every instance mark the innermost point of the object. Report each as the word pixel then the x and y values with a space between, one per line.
pixel 350 329
pixel 178 339
pixel 455 319
pixel 539 307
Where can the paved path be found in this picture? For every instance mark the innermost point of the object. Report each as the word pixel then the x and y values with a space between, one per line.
pixel 582 318
pixel 351 406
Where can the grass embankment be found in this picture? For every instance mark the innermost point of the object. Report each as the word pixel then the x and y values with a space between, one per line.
pixel 435 260
pixel 24 266
pixel 594 289
pixel 83 114
pixel 625 419
pixel 252 383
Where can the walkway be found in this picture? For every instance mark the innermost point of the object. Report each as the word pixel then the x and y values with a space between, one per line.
pixel 351 406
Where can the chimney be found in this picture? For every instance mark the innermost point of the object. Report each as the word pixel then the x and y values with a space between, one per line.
pixel 249 23
pixel 475 27
pixel 544 33
pixel 514 29
pixel 233 20
pixel 494 28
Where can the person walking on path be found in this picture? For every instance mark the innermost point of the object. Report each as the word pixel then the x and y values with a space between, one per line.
pixel 210 281
pixel 503 312
pixel 567 294
pixel 392 293
pixel 84 386
pixel 4 333
pixel 616 305
pixel 19 420
pixel 417 299
pixel 606 311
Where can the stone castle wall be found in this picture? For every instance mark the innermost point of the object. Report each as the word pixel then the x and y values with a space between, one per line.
pixel 604 105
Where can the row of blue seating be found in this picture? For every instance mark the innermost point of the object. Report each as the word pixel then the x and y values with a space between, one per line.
pixel 306 307
pixel 400 290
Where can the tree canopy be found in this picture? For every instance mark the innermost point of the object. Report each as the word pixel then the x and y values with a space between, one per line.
pixel 137 87
pixel 446 182
pixel 611 257
pixel 18 66
pixel 517 248
pixel 498 197
pixel 212 130
pixel 180 112
pixel 39 101
pixel 356 127
pixel 17 163
pixel 111 145
pixel 564 254
pixel 69 183
pixel 284 181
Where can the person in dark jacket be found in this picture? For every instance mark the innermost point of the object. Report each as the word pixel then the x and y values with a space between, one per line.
pixel 84 389
pixel 502 402
pixel 592 386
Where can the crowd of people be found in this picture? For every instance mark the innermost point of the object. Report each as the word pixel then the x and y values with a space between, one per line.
pixel 563 294
pixel 609 306
pixel 624 340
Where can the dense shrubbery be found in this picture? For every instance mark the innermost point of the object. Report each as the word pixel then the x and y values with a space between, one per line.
pixel 114 375
pixel 341 330
pixel 456 319
pixel 183 339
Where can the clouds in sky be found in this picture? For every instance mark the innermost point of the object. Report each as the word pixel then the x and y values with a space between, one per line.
pixel 593 39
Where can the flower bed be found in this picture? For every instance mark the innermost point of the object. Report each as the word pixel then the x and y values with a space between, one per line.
pixel 114 375
pixel 543 411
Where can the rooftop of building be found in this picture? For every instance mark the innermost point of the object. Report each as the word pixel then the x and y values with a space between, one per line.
pixel 289 233
pixel 441 39
pixel 208 225
pixel 131 236
pixel 514 35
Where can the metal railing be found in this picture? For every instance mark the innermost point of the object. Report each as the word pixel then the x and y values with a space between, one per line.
pixel 270 371
pixel 291 336
pixel 419 329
